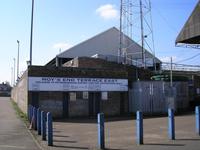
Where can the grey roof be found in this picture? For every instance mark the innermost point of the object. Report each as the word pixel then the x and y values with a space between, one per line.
pixel 190 33
pixel 105 43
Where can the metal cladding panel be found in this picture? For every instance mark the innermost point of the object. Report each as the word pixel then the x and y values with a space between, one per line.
pixel 148 97
pixel 190 33
pixel 182 96
pixel 157 96
pixel 105 43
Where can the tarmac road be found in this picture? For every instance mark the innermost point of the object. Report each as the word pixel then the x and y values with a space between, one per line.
pixel 81 134
pixel 13 133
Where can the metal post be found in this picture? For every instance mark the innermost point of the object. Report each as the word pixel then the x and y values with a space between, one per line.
pixel 39 121
pixel 31 113
pixel 171 124
pixel 101 141
pixel 139 128
pixel 43 125
pixel 28 112
pixel 120 34
pixel 11 81
pixel 49 129
pixel 35 118
pixel 18 60
pixel 197 112
pixel 14 72
pixel 142 34
pixel 171 80
pixel 31 36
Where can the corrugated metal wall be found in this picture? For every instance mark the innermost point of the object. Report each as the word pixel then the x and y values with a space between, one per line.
pixel 157 96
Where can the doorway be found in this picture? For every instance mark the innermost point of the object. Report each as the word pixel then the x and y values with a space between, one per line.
pixel 94 103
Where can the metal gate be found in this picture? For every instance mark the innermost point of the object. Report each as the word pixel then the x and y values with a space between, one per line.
pixel 157 96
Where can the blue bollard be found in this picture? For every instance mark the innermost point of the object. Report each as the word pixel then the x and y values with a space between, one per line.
pixel 139 127
pixel 101 136
pixel 171 124
pixel 39 121
pixel 35 118
pixel 43 125
pixel 49 129
pixel 31 113
pixel 197 112
pixel 29 106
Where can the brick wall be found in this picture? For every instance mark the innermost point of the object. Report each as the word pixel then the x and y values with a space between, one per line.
pixel 97 63
pixel 19 93
pixel 78 108
pixel 51 102
pixel 44 71
pixel 111 106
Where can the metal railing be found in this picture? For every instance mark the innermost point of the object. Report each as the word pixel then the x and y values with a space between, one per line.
pixel 180 67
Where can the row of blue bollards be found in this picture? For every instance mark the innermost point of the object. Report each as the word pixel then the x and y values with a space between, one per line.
pixel 42 122
pixel 197 112
pixel 139 126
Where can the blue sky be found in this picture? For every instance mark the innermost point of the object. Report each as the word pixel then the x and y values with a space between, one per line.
pixel 63 23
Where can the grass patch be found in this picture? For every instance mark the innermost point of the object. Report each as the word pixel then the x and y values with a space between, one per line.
pixel 19 113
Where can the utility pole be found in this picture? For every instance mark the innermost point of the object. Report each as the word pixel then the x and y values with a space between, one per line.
pixel 142 33
pixel 171 74
pixel 11 79
pixel 18 60
pixel 14 72
pixel 120 34
pixel 153 43
pixel 31 37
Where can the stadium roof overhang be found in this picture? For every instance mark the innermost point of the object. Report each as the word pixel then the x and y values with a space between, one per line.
pixel 190 33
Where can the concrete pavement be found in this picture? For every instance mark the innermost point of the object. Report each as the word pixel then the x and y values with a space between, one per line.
pixel 13 133
pixel 81 134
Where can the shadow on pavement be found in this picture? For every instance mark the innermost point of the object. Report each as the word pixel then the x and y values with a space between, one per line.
pixel 113 149
pixel 188 139
pixel 156 144
pixel 55 135
pixel 67 141
pixel 94 120
pixel 70 147
pixel 56 131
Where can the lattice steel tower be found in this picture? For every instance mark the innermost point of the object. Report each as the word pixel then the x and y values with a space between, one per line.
pixel 136 23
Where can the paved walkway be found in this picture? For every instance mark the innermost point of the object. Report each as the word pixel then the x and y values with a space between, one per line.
pixel 120 135
pixel 13 133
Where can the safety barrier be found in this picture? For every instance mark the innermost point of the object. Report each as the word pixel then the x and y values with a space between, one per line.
pixel 101 136
pixel 197 112
pixel 42 122
pixel 171 124
pixel 139 126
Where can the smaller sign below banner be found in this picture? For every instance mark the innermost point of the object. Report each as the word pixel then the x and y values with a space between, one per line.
pixel 85 95
pixel 72 96
pixel 104 95
pixel 198 91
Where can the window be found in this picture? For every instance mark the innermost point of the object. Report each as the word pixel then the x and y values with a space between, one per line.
pixel 104 95
pixel 72 96
pixel 85 95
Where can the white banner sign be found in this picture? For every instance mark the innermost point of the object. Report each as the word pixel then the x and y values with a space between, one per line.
pixel 76 84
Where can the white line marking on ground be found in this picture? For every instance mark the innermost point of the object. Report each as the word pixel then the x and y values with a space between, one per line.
pixel 12 146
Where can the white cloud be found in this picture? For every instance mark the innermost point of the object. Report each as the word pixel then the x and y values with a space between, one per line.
pixel 168 59
pixel 107 11
pixel 62 46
